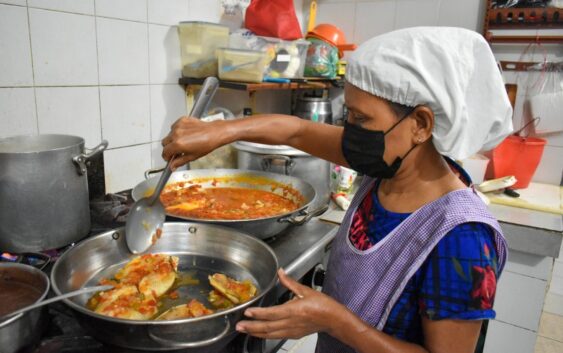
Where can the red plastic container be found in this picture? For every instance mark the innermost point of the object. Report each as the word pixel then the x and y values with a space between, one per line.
pixel 518 156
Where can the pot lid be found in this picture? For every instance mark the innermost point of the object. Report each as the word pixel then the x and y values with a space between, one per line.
pixel 261 148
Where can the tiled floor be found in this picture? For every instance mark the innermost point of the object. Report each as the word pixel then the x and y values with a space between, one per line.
pixel 550 335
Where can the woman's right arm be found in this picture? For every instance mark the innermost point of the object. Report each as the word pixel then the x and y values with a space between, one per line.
pixel 191 138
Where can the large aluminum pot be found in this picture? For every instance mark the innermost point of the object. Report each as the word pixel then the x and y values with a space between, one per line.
pixel 20 286
pixel 262 228
pixel 289 161
pixel 43 191
pixel 202 249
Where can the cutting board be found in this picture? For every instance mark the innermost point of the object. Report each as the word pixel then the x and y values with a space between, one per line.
pixel 539 197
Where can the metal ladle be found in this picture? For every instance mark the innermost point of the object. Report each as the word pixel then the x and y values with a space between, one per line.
pixel 147 214
pixel 55 299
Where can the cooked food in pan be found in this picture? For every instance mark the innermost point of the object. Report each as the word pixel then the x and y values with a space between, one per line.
pixel 125 302
pixel 146 282
pixel 218 300
pixel 224 203
pixel 237 292
pixel 193 309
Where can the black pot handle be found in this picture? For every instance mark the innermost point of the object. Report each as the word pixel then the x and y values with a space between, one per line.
pixel 294 219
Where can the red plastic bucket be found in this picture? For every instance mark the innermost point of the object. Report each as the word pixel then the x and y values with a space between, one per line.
pixel 518 156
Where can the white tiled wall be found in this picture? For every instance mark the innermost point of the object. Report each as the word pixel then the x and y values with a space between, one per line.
pixel 100 69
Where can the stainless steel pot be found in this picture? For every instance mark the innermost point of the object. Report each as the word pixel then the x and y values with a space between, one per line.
pixel 262 228
pixel 20 286
pixel 288 161
pixel 201 248
pixel 43 191
pixel 314 109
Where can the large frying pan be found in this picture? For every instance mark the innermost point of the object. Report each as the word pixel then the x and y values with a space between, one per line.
pixel 261 228
pixel 202 249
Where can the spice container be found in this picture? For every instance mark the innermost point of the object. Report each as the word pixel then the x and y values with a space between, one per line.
pixel 198 44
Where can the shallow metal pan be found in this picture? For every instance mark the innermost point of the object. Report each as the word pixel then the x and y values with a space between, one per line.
pixel 202 248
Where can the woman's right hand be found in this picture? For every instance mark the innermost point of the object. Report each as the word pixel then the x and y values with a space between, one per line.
pixel 191 138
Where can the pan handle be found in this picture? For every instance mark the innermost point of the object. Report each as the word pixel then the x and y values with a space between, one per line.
pixel 81 159
pixel 148 172
pixel 175 344
pixel 270 160
pixel 294 220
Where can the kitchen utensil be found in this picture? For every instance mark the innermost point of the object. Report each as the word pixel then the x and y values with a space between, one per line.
pixel 235 67
pixel 55 299
pixel 312 15
pixel 21 285
pixel 262 228
pixel 288 161
pixel 202 249
pixel 147 214
pixel 497 184
pixel 44 191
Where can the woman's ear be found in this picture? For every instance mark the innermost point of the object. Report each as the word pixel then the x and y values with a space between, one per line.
pixel 424 124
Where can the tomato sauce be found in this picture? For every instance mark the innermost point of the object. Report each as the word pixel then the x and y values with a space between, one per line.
pixel 225 203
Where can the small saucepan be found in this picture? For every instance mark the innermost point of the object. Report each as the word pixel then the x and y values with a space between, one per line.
pixel 20 286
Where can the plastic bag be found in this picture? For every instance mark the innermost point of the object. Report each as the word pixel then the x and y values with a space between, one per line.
pixel 273 18
pixel 322 59
pixel 546 98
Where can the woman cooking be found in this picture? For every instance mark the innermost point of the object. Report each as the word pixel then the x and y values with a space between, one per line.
pixel 414 265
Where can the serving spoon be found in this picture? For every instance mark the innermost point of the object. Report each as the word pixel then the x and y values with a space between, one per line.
pixel 75 293
pixel 144 222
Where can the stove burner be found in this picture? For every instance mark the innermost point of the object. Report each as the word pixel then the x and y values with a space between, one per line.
pixel 35 259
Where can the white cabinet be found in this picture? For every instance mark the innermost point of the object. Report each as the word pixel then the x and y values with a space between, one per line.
pixel 519 301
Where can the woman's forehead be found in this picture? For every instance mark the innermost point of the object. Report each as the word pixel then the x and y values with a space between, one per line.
pixel 358 99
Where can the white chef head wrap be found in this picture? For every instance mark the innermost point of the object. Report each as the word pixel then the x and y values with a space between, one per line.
pixel 452 71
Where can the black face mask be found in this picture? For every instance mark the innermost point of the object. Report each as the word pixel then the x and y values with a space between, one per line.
pixel 363 150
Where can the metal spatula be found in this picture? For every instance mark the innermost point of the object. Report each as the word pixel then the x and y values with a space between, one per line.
pixel 147 215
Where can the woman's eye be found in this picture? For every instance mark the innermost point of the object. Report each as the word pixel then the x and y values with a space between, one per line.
pixel 356 118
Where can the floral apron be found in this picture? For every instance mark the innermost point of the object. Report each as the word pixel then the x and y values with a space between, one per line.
pixel 395 259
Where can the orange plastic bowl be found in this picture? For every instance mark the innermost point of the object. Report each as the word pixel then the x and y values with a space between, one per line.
pixel 333 35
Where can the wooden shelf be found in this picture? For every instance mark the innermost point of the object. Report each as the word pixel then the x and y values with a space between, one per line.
pixel 524 39
pixel 518 18
pixel 305 83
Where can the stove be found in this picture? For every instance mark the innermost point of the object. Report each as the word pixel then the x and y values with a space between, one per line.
pixel 299 249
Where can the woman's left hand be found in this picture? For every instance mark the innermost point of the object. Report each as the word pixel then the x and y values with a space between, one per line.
pixel 310 311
